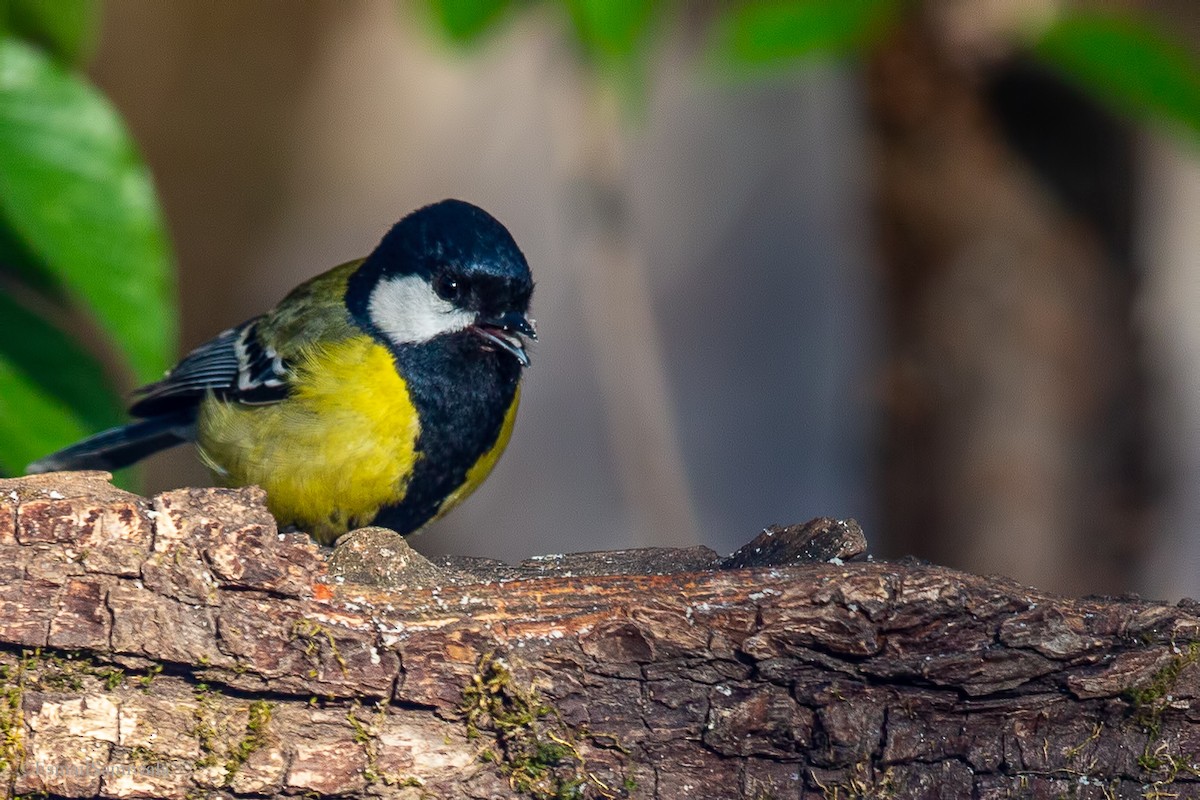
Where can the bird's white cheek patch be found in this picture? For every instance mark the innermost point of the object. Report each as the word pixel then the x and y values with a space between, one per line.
pixel 408 311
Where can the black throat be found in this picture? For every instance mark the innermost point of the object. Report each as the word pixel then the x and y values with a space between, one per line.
pixel 462 392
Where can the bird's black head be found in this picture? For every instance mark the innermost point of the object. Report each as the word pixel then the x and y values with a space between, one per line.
pixel 444 269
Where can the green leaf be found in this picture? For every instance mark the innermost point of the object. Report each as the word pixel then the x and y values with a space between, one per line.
pixel 61 368
pixel 612 29
pixel 1128 62
pixel 64 28
pixel 75 191
pixel 32 421
pixel 770 34
pixel 466 20
pixel 16 261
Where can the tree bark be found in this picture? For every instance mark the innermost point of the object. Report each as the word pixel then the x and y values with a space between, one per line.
pixel 182 647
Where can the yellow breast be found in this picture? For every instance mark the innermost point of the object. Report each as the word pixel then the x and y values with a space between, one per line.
pixel 329 456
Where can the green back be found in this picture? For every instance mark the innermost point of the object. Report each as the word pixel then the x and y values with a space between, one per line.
pixel 315 311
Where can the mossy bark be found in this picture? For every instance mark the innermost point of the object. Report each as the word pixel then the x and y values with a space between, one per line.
pixel 183 647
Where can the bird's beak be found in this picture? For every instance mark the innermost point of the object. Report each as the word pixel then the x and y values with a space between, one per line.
pixel 505 331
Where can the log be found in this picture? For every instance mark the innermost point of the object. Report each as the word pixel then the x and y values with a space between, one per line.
pixel 183 647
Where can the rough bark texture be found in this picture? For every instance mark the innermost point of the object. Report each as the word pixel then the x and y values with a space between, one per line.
pixel 182 647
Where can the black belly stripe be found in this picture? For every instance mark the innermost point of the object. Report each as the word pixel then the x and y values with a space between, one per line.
pixel 462 393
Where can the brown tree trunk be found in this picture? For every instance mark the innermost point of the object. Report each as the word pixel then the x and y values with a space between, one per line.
pixel 1013 431
pixel 182 647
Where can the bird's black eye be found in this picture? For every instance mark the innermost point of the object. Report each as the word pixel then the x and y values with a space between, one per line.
pixel 449 288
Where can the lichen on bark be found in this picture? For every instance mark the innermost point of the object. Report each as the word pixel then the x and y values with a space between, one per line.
pixel 182 646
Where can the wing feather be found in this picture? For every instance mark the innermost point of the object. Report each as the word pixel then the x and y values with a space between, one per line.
pixel 251 363
pixel 233 365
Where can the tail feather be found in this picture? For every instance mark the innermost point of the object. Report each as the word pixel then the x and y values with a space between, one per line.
pixel 122 446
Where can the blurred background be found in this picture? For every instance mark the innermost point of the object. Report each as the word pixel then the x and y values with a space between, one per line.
pixel 931 265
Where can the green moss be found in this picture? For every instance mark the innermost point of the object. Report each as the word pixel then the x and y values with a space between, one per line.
pixel 1073 753
pixel 258 720
pixel 1172 765
pixel 144 755
pixel 366 733
pixel 859 783
pixel 152 672
pixel 67 671
pixel 534 748
pixel 362 733
pixel 33 669
pixel 1151 698
pixel 59 674
pixel 12 717
pixel 312 634
pixel 1150 701
pixel 211 729
pixel 111 677
pixel 1077 771
pixel 204 726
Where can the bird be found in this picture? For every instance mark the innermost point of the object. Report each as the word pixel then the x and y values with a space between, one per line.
pixel 381 392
